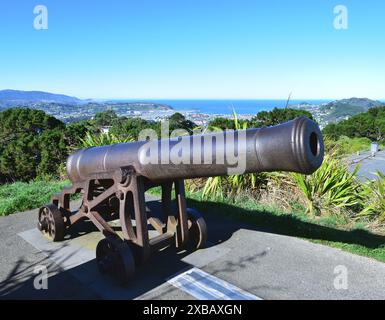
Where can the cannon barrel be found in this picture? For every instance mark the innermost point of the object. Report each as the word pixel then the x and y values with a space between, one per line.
pixel 295 146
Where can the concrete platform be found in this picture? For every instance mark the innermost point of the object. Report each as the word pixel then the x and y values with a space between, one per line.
pixel 240 261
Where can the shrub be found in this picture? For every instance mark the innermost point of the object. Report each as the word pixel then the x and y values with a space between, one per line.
pixel 332 188
pixel 374 195
pixel 370 124
pixel 231 185
pixel 346 146
pixel 102 139
pixel 225 186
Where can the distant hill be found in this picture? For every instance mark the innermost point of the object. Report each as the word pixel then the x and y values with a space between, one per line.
pixel 338 110
pixel 69 109
pixel 354 105
pixel 9 98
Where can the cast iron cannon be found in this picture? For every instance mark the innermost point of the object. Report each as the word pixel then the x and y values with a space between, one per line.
pixel 113 181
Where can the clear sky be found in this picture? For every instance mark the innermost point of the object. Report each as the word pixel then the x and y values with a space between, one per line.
pixel 238 49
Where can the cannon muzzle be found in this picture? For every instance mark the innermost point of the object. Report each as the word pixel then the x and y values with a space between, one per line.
pixel 295 146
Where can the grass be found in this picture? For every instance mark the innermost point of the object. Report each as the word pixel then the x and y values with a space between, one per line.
pixel 332 231
pixel 348 146
pixel 22 196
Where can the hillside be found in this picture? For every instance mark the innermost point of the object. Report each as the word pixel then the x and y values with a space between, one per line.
pixel 349 107
pixel 338 110
pixel 9 98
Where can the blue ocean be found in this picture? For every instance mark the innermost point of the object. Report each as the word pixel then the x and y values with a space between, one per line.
pixel 226 106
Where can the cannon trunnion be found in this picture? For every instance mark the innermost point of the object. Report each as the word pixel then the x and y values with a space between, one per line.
pixel 113 180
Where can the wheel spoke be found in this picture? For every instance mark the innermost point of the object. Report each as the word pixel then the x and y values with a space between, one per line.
pixel 117 259
pixel 52 222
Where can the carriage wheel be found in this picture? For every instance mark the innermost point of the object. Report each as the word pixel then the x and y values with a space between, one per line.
pixel 197 229
pixel 115 259
pixel 51 222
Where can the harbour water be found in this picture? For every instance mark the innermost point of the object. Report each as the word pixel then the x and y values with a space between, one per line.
pixel 227 106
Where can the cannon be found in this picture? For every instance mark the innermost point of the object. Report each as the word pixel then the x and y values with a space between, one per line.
pixel 113 180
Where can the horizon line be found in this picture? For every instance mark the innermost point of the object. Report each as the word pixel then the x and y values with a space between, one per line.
pixel 195 98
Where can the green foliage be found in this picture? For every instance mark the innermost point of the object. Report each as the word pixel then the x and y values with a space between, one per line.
pixel 35 144
pixel 374 195
pixel 102 139
pixel 331 188
pixel 53 150
pixel 277 116
pixel 236 184
pixel 105 118
pixel 222 123
pixel 262 119
pixel 332 131
pixel 369 124
pixel 326 230
pixel 131 127
pixel 230 186
pixel 32 144
pixel 346 146
pixel 76 131
pixel 21 196
pixel 214 187
pixel 179 121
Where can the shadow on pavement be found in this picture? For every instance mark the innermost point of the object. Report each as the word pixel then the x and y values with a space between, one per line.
pixel 19 284
pixel 167 263
pixel 286 224
pixel 85 281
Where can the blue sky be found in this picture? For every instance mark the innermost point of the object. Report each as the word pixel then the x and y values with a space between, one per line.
pixel 174 49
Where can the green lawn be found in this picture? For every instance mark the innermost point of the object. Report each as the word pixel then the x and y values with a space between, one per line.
pixel 22 196
pixel 330 231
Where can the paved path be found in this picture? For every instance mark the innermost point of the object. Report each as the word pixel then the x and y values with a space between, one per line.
pixel 253 261
pixel 369 164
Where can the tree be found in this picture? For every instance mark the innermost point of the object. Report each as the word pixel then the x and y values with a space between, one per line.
pixel 179 121
pixel 277 116
pixel 222 123
pixel 105 118
pixel 76 131
pixel 370 124
pixel 32 144
pixel 53 151
pixel 332 131
pixel 19 158
pixel 131 127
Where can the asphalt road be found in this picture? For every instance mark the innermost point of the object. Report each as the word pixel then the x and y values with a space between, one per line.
pixel 264 264
pixel 368 165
